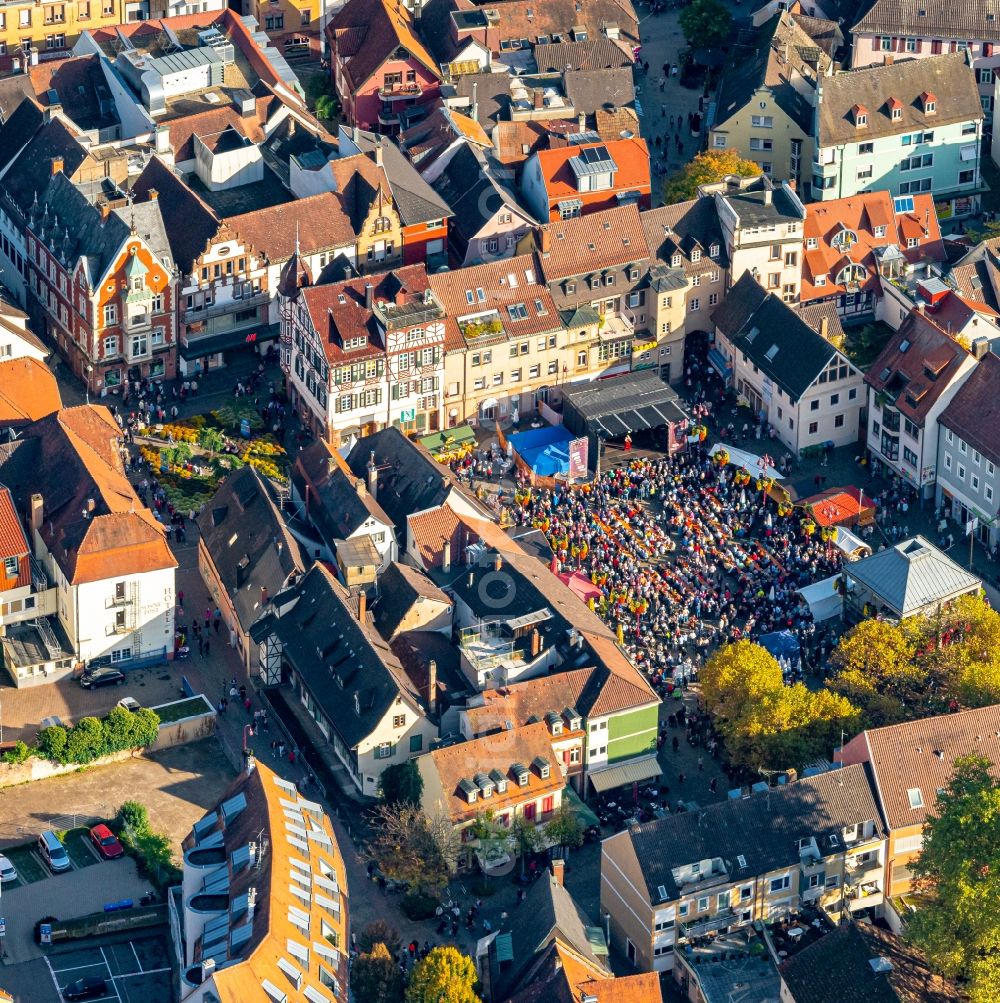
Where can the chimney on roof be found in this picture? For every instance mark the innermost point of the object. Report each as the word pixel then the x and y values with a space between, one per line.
pixel 362 606
pixel 470 579
pixel 372 475
pixel 369 291
pixel 544 241
pixel 446 557
pixel 558 869
pixel 57 166
pixel 105 211
pixel 37 513
pixel 536 642
pixel 378 152
pixel 539 98
pixel 475 101
pixel 362 489
pixel 768 194
pixel 497 562
pixel 581 122
pixel 824 327
pixel 432 686
pixel 153 195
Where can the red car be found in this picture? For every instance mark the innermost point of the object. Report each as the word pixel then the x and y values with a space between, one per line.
pixel 106 842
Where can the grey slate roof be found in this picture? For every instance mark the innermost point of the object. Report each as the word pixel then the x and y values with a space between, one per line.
pixel 948 77
pixel 20 122
pixel 913 575
pixel 773 336
pixel 410 480
pixel 400 588
pixel 415 199
pixel 492 94
pixel 632 402
pixel 32 168
pixel 338 659
pixel 936 18
pixel 253 553
pixel 100 240
pixel 336 506
pixel 755 208
pixel 685 227
pixel 764 828
pixel 589 90
pixel 594 54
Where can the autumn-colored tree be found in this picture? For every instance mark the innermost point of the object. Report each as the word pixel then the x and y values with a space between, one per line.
pixel 958 875
pixel 704 169
pixel 736 677
pixel 444 976
pixel 378 931
pixel 412 848
pixel 376 978
pixel 966 654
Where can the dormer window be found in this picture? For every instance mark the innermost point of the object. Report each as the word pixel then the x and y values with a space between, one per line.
pixel 895 107
pixel 879 231
pixel 542 765
pixel 469 790
pixel 696 254
pixel 929 102
pixel 860 115
pixel 675 260
pixel 713 251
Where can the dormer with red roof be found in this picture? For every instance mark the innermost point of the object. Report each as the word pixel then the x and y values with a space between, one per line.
pixel 929 103
pixel 859 113
pixel 895 108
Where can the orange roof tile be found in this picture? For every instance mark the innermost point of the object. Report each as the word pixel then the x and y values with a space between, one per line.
pixel 631 157
pixel 28 391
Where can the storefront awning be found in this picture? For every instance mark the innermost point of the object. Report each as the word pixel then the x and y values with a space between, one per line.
pixel 582 812
pixel 626 773
pixel 451 440
pixel 718 362
pixel 198 347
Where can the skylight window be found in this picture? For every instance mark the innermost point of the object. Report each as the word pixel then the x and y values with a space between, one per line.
pixel 916 797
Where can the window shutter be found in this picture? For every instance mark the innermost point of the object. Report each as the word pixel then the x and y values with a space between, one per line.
pixel 876 43
pixel 987 48
pixel 936 47
pixel 954 46
pixel 920 45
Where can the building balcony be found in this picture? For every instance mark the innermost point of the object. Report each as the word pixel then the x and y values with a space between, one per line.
pixel 386 116
pixel 400 92
pixel 710 924
pixel 858 872
pixel 117 629
pixel 616 325
pixel 865 899
pixel 710 880
pixel 115 602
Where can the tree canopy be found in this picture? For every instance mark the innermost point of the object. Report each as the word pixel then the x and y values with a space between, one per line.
pixel 705 22
pixel 444 976
pixel 706 168
pixel 412 848
pixel 766 723
pixel 957 924
pixel 375 977
pixel 401 784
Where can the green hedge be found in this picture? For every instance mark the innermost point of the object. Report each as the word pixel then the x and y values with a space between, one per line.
pixel 90 738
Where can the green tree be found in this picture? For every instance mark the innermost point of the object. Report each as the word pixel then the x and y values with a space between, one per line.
pixel 375 977
pixel 52 743
pixel 133 815
pixel 989 231
pixel 444 976
pixel 958 874
pixel 155 857
pixel 19 753
pixel 85 741
pixel 412 848
pixel 378 931
pixel 705 22
pixel 526 837
pixel 564 828
pixel 401 784
pixel 704 169
pixel 211 439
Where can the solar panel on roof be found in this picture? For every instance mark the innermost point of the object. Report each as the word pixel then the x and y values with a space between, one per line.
pixel 595 155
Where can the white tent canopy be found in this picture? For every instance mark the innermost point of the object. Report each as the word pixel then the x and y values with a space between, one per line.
pixel 849 544
pixel 750 462
pixel 823 598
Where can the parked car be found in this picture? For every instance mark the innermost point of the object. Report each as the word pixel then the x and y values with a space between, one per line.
pixel 130 704
pixel 106 842
pixel 106 675
pixel 91 987
pixel 8 872
pixel 52 851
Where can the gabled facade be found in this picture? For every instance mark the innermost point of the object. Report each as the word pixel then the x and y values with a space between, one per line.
pixel 382 73
pixel 794 379
pixel 97 547
pixel 909 127
pixel 910 384
pixel 345 681
pixel 914 30
pixel 582 179
pixel 668 882
pixel 856 246
pixel 102 287
pixel 763 107
pixel 365 354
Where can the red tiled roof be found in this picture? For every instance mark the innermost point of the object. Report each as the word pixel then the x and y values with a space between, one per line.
pixel 861 214
pixel 601 240
pixel 28 391
pixel 631 157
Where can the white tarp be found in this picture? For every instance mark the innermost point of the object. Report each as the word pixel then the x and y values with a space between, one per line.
pixel 850 545
pixel 750 462
pixel 825 601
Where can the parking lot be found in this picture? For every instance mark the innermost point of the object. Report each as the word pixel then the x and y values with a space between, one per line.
pixel 136 971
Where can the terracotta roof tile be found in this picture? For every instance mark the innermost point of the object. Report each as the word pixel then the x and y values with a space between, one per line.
pixel 631 157
pixel 601 240
pixel 28 391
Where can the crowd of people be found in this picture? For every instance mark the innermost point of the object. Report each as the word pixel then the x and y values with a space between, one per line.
pixel 687 553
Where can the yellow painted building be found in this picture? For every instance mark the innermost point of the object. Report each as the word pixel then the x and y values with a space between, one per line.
pixel 50 30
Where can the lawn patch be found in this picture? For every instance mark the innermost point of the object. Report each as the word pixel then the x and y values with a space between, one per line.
pixel 171 712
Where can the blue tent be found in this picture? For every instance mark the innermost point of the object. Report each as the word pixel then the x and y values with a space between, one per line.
pixel 545 450
pixel 781 644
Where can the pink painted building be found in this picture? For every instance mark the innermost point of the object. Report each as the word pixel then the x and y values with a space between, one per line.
pixel 383 75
